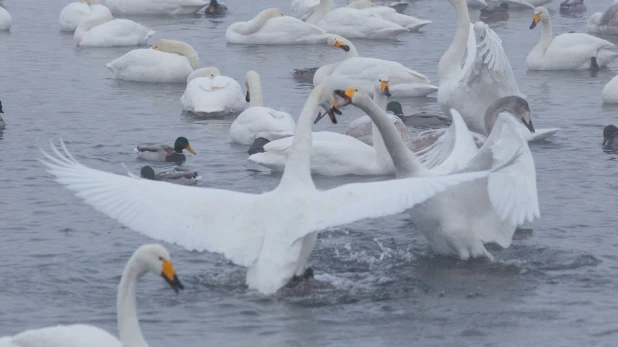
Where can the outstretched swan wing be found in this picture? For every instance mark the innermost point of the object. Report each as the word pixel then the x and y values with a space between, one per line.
pixel 195 218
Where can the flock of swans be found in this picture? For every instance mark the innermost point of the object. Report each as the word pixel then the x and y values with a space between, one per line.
pixel 466 184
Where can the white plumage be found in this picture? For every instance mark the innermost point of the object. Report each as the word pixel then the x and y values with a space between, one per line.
pixel 209 92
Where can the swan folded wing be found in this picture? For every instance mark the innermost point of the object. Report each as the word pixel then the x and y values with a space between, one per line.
pixel 195 218
pixel 512 184
pixel 578 43
pixel 353 202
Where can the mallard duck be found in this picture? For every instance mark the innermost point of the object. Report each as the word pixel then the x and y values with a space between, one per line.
pixel 610 136
pixel 185 177
pixel 418 120
pixel 216 8
pixel 2 123
pixel 165 152
pixel 573 6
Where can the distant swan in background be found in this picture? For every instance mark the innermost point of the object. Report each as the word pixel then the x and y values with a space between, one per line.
pixel 148 258
pixel 606 22
pixel 107 31
pixel 390 14
pixel 209 92
pixel 154 7
pixel 75 13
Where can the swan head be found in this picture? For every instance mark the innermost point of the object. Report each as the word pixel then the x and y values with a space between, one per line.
pixel 271 13
pixel 609 132
pixel 147 172
pixel 250 76
pixel 181 144
pixel 516 106
pixel 540 14
pixel 349 96
pixel 178 47
pixel 155 258
pixel 338 42
pixel 383 85
pixel 208 72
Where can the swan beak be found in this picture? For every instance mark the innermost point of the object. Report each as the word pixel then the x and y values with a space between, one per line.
pixel 384 86
pixel 342 45
pixel 605 139
pixel 169 275
pixel 528 122
pixel 330 112
pixel 535 20
pixel 247 98
pixel 346 95
pixel 190 150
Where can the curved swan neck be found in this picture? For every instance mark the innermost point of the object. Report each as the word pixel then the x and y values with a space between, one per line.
pixel 297 168
pixel 352 53
pixel 405 162
pixel 254 85
pixel 382 154
pixel 451 60
pixel 320 11
pixel 252 26
pixel 88 24
pixel 547 35
pixel 505 104
pixel 128 324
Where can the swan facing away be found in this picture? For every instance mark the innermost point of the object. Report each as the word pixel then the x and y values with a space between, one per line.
pixel 390 14
pixel 167 61
pixel 107 31
pixel 152 258
pixel 572 51
pixel 605 22
pixel 272 27
pixel 461 219
pixel 155 7
pixel 273 233
pixel 362 71
pixel 75 13
pixel 209 92
pixel 259 121
pixel 5 19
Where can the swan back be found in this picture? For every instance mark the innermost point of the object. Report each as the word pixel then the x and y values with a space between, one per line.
pixel 254 25
pixel 178 47
pixel 209 72
pixel 90 23
pixel 361 4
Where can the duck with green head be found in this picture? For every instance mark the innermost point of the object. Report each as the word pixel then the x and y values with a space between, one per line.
pixel 164 152
pixel 216 8
pixel 184 177
pixel 2 123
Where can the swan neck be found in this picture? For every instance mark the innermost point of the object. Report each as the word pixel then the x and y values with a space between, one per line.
pixel 128 322
pixel 547 35
pixel 319 11
pixel 451 60
pixel 491 115
pixel 384 158
pixel 252 26
pixel 255 91
pixel 352 53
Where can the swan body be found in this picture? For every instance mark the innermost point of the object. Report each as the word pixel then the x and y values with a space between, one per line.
pixel 155 7
pixel 272 27
pixel 390 14
pixel 209 92
pixel 166 62
pixel 362 129
pixel 361 71
pixel 259 121
pixel 273 233
pixel 485 76
pixel 148 258
pixel 110 32
pixel 352 23
pixel 572 51
pixel 604 22
pixel 302 9
pixel 610 91
pixel 75 13
pixel 5 19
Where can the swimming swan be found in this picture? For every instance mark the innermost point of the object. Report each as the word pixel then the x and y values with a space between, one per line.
pixel 302 9
pixel 155 7
pixel 148 258
pixel 362 71
pixel 272 27
pixel 390 14
pixel 75 13
pixel 610 92
pixel 461 219
pixel 485 76
pixel 167 61
pixel 572 51
pixel 606 22
pixel 273 233
pixel 259 121
pixel 5 19
pixel 107 31
pixel 209 92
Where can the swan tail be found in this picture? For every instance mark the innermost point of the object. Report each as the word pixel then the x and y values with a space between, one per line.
pixel 258 146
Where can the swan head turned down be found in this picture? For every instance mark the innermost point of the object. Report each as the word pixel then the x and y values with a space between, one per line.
pixel 155 258
pixel 208 72
pixel 540 14
pixel 361 4
pixel 609 133
pixel 514 105
pixel 337 42
pixel 178 47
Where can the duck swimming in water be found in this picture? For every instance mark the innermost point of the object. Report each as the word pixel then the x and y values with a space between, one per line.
pixel 573 6
pixel 165 153
pixel 2 123
pixel 185 177
pixel 610 136
pixel 216 8
pixel 495 12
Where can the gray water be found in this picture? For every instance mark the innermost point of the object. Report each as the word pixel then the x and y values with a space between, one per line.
pixel 377 283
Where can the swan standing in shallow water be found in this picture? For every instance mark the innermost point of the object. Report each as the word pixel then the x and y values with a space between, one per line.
pixel 572 51
pixel 259 121
pixel 148 258
pixel 390 14
pixel 150 7
pixel 5 19
pixel 209 92
pixel 167 61
pixel 461 219
pixel 75 13
pixel 606 22
pixel 362 71
pixel 272 27
pixel 272 233
pixel 107 31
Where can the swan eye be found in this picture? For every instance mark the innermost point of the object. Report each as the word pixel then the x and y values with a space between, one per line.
pixel 161 258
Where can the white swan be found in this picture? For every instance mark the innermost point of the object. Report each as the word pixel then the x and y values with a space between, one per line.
pixel 606 22
pixel 461 219
pixel 572 51
pixel 107 31
pixel 390 14
pixel 259 121
pixel 362 71
pixel 485 77
pixel 352 23
pixel 476 3
pixel 153 7
pixel 148 258
pixel 610 92
pixel 334 154
pixel 5 19
pixel 167 61
pixel 302 9
pixel 272 27
pixel 209 92
pixel 75 13
pixel 272 233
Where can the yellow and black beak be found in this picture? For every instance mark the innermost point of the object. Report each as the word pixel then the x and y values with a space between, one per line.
pixel 169 275
pixel 330 112
pixel 345 95
pixel 190 150
pixel 605 139
pixel 384 87
pixel 535 20
pixel 342 45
